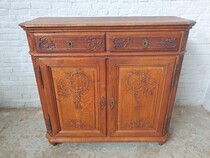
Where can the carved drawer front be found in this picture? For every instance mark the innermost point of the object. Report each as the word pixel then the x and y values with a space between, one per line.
pixel 69 42
pixel 143 41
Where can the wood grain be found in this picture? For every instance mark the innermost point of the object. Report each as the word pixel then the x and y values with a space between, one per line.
pixel 106 21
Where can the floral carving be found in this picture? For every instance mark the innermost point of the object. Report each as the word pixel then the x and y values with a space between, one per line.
pixel 63 88
pixel 78 83
pixel 46 44
pixel 121 42
pixel 77 124
pixel 169 42
pixel 140 82
pixel 94 43
pixel 141 123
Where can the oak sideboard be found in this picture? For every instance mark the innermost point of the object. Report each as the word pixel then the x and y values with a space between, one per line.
pixel 107 78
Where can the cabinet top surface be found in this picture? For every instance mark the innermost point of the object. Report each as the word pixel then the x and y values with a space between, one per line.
pixel 106 21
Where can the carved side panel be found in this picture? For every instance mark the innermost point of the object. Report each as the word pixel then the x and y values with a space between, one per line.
pixel 184 42
pixel 30 41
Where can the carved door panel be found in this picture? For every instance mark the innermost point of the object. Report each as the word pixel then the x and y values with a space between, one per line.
pixel 138 92
pixel 75 88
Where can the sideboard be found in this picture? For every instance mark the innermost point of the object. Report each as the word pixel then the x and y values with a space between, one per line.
pixel 107 78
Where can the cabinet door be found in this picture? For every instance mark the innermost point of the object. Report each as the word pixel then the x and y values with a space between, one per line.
pixel 138 92
pixel 75 90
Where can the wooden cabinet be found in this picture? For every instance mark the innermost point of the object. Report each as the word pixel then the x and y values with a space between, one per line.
pixel 107 79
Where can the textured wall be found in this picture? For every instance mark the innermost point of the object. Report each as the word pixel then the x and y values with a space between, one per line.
pixel 17 82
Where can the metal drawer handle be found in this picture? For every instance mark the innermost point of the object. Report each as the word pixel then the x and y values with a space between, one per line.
pixel 145 43
pixel 112 103
pixel 70 44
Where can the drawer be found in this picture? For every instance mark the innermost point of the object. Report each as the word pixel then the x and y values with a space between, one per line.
pixel 143 41
pixel 69 42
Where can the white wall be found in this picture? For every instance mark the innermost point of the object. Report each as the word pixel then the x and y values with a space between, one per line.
pixel 17 82
pixel 207 100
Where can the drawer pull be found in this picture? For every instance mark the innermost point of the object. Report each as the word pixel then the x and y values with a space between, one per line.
pixel 112 103
pixel 70 44
pixel 145 43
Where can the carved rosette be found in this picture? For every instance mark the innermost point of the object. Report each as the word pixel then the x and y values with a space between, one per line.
pixel 121 42
pixel 46 44
pixel 141 123
pixel 140 83
pixel 94 43
pixel 78 83
pixel 169 42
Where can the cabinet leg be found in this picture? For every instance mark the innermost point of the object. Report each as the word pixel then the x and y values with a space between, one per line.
pixel 54 144
pixel 161 143
pixel 49 138
pixel 165 138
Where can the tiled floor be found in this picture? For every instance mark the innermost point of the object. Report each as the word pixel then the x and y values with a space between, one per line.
pixel 22 135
